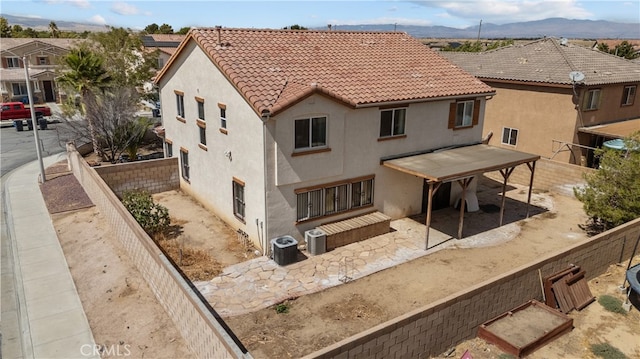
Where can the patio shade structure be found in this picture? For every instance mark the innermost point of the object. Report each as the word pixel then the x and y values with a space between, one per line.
pixel 461 165
pixel 620 129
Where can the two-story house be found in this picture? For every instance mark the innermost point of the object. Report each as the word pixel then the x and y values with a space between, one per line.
pixel 42 55
pixel 278 131
pixel 553 97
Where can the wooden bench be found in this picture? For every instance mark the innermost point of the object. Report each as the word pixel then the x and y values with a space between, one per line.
pixel 355 229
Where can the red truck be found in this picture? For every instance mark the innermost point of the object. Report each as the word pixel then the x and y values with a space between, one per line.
pixel 17 111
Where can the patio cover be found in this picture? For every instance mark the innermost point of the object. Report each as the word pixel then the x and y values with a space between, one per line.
pixel 462 164
pixel 620 129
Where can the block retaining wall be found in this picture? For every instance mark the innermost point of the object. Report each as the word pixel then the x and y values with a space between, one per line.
pixel 432 329
pixel 206 335
pixel 154 176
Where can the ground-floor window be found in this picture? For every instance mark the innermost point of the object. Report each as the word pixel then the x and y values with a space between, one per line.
pixel 324 200
pixel 238 198
pixel 168 148
pixel 184 163
pixel 19 89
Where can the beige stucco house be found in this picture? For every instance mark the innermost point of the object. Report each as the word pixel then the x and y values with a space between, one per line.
pixel 279 131
pixel 43 59
pixel 553 98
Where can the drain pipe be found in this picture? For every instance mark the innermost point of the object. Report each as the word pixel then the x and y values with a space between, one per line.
pixel 265 115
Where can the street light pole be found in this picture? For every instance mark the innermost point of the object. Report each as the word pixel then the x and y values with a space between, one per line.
pixel 25 61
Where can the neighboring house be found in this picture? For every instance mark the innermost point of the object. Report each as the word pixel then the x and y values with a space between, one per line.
pixel 635 44
pixel 43 59
pixel 279 131
pixel 166 44
pixel 551 94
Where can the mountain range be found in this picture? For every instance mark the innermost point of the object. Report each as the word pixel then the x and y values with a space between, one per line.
pixel 553 27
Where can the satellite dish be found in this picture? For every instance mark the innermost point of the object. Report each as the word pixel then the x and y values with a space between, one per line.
pixel 576 76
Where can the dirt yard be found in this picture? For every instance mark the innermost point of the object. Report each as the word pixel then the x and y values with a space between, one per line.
pixel 317 320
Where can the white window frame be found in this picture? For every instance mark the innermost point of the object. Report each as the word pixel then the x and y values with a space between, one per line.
pixel 593 99
pixel 223 117
pixel 396 114
pixel 511 136
pixel 349 195
pixel 629 95
pixel 310 144
pixel 13 62
pixel 21 86
pixel 180 105
pixel 239 203
pixel 184 164
pixel 464 117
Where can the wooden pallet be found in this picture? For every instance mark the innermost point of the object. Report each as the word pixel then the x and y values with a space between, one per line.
pixel 567 290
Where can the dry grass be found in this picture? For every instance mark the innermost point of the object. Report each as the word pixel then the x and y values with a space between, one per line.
pixel 196 264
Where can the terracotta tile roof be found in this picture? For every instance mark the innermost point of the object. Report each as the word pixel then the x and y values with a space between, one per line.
pixel 273 69
pixel 547 61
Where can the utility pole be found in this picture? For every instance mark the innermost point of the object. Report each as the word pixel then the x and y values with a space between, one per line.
pixel 25 61
pixel 479 28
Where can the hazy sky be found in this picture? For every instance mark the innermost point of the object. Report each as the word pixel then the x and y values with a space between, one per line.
pixel 278 14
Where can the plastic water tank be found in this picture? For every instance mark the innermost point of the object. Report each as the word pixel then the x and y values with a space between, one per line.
pixel 316 241
pixel 284 249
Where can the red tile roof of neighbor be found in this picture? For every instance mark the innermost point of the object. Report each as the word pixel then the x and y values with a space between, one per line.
pixel 274 69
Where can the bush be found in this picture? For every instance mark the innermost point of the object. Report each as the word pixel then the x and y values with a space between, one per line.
pixel 611 304
pixel 152 217
pixel 282 308
pixel 606 351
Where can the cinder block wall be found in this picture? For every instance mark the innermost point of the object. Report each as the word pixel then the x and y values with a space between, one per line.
pixel 432 329
pixel 154 176
pixel 549 176
pixel 206 335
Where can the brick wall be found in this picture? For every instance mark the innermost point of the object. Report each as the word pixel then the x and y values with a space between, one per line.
pixel 432 329
pixel 205 333
pixel 154 176
pixel 549 176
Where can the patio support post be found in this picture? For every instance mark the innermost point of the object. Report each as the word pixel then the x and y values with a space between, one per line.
pixel 464 184
pixel 432 191
pixel 532 168
pixel 506 173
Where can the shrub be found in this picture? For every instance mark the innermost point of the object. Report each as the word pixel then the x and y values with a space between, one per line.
pixel 282 308
pixel 152 217
pixel 606 351
pixel 611 304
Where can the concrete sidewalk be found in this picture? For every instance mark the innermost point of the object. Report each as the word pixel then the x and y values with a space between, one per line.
pixel 42 316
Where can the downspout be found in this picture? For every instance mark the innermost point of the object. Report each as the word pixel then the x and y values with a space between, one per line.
pixel 266 114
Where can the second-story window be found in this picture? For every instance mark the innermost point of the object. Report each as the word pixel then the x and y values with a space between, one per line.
pixel 223 116
pixel 13 62
pixel 310 132
pixel 628 95
pixel 180 103
pixel 592 99
pixel 464 114
pixel 43 60
pixel 392 122
pixel 200 103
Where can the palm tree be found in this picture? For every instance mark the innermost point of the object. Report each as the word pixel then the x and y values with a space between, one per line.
pixel 85 74
pixel 53 27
